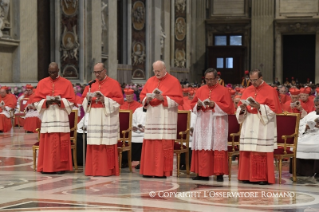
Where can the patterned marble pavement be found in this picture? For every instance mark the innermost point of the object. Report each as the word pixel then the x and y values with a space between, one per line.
pixel 22 189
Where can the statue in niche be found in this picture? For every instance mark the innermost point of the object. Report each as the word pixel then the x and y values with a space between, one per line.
pixel 138 54
pixel 163 36
pixel 180 5
pixel 4 11
pixel 73 3
pixel 104 5
pixel 70 44
pixel 180 58
pixel 138 15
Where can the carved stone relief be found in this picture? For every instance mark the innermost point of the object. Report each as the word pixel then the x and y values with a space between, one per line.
pixel 180 58
pixel 138 56
pixel 4 13
pixel 69 7
pixel 180 5
pixel 180 28
pixel 297 27
pixel 138 53
pixel 69 46
pixel 180 34
pixel 138 15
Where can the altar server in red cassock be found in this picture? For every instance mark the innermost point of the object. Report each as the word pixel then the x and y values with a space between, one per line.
pixel 130 103
pixel 209 145
pixel 55 146
pixel 103 104
pixel 161 122
pixel 258 132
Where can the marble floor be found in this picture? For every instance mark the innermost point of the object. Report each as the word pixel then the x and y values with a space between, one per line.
pixel 22 189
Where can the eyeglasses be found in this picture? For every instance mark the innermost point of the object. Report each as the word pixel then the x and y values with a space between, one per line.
pixel 211 79
pixel 98 72
pixel 253 80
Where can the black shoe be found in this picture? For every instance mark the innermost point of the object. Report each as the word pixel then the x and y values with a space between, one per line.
pixel 146 176
pixel 137 167
pixel 201 178
pixel 160 177
pixel 263 183
pixel 124 165
pixel 245 181
pixel 220 178
pixel 60 172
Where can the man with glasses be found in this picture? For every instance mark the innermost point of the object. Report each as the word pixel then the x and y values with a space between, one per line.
pixel 209 145
pixel 103 104
pixel 259 131
pixel 54 99
pixel 161 96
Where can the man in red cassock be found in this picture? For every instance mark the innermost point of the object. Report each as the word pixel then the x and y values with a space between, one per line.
pixel 293 105
pixel 102 102
pixel 22 101
pixel 7 103
pixel 130 103
pixel 212 104
pixel 54 99
pixel 32 119
pixel 161 96
pixel 306 104
pixel 259 131
pixel 186 102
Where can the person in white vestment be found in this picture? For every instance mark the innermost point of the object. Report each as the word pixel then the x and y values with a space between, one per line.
pixel 139 117
pixel 308 141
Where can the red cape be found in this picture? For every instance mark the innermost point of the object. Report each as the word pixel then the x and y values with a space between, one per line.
pixel 108 87
pixel 219 94
pixel 58 87
pixel 263 94
pixel 169 85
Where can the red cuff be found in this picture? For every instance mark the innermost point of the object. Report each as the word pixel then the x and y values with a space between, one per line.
pixel 44 104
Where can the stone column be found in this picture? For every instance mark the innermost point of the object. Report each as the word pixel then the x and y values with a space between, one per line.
pixel 166 13
pixel 278 60
pixel 262 40
pixel 28 50
pixel 198 41
pixel 112 39
pixel 317 59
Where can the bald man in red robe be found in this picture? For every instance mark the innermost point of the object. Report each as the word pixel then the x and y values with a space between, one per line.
pixel 7 103
pixel 54 99
pixel 306 103
pixel 209 145
pixel 103 123
pixel 130 103
pixel 259 131
pixel 22 101
pixel 161 96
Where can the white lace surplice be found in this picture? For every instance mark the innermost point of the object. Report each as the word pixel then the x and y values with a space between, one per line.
pixel 210 130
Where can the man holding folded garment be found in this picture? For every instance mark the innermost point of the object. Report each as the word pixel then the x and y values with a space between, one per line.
pixel 54 99
pixel 259 131
pixel 212 104
pixel 103 103
pixel 161 96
